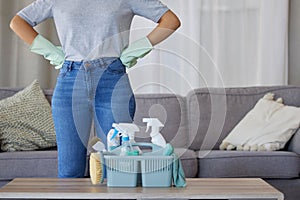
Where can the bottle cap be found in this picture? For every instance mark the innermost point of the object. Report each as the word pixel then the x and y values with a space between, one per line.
pixel 125 138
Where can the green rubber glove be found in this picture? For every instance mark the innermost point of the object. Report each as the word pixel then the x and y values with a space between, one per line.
pixel 136 50
pixel 42 46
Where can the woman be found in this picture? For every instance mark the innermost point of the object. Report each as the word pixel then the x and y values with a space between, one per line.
pixel 92 82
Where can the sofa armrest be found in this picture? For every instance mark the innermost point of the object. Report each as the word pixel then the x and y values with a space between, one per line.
pixel 294 144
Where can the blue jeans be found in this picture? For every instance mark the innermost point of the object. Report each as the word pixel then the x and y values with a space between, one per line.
pixel 97 90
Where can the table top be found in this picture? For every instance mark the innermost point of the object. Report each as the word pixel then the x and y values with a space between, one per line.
pixel 197 188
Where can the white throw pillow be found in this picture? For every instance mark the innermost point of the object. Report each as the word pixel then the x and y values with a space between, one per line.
pixel 268 126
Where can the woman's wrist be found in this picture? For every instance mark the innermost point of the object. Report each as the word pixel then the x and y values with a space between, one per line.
pixel 23 29
pixel 167 25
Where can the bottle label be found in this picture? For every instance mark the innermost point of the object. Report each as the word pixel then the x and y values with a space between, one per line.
pixel 112 143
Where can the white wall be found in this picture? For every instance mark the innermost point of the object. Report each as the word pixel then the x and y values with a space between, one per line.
pixel 294 42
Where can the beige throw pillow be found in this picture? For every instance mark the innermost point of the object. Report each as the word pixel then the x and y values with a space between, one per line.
pixel 26 121
pixel 268 126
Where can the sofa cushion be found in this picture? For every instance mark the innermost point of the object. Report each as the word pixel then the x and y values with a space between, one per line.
pixel 268 126
pixel 273 164
pixel 293 145
pixel 170 110
pixel 26 121
pixel 189 161
pixel 28 164
pixel 213 112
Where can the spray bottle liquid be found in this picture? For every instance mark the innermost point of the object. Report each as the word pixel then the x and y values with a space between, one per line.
pixel 156 137
pixel 126 147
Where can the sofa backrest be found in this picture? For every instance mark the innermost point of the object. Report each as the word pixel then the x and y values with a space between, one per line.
pixel 170 109
pixel 8 92
pixel 207 108
pixel 202 119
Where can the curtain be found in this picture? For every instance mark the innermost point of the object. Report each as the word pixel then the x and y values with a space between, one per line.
pixel 221 43
pixel 18 66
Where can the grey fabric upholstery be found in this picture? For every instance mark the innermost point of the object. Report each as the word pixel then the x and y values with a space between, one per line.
pixel 170 110
pixel 28 164
pixel 277 164
pixel 8 92
pixel 293 145
pixel 48 94
pixel 189 161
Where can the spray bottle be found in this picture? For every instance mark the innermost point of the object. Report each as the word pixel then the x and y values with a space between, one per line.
pixel 113 139
pixel 128 131
pixel 156 137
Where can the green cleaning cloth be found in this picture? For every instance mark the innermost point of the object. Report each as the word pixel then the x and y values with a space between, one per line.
pixel 54 54
pixel 178 173
pixel 136 50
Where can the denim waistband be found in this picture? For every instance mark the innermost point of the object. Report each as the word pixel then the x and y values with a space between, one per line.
pixel 101 62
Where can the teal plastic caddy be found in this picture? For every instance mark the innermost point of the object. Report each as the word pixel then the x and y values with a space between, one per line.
pixel 152 167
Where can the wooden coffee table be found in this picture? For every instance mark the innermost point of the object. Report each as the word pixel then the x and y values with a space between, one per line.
pixel 204 188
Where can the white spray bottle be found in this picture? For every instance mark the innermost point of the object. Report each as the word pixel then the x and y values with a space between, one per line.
pixel 156 137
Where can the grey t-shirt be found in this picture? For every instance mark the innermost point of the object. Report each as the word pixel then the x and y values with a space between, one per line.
pixel 88 26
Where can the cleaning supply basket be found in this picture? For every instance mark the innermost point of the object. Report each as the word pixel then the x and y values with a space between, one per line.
pixel 121 171
pixel 151 169
pixel 157 171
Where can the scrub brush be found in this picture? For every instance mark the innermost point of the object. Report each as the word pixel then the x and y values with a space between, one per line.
pixel 95 148
pixel 96 168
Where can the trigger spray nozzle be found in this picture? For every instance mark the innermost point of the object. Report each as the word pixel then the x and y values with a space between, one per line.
pixel 148 126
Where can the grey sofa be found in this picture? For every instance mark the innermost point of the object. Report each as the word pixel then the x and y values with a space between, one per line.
pixel 195 125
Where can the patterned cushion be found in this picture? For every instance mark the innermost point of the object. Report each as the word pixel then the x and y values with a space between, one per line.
pixel 26 121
